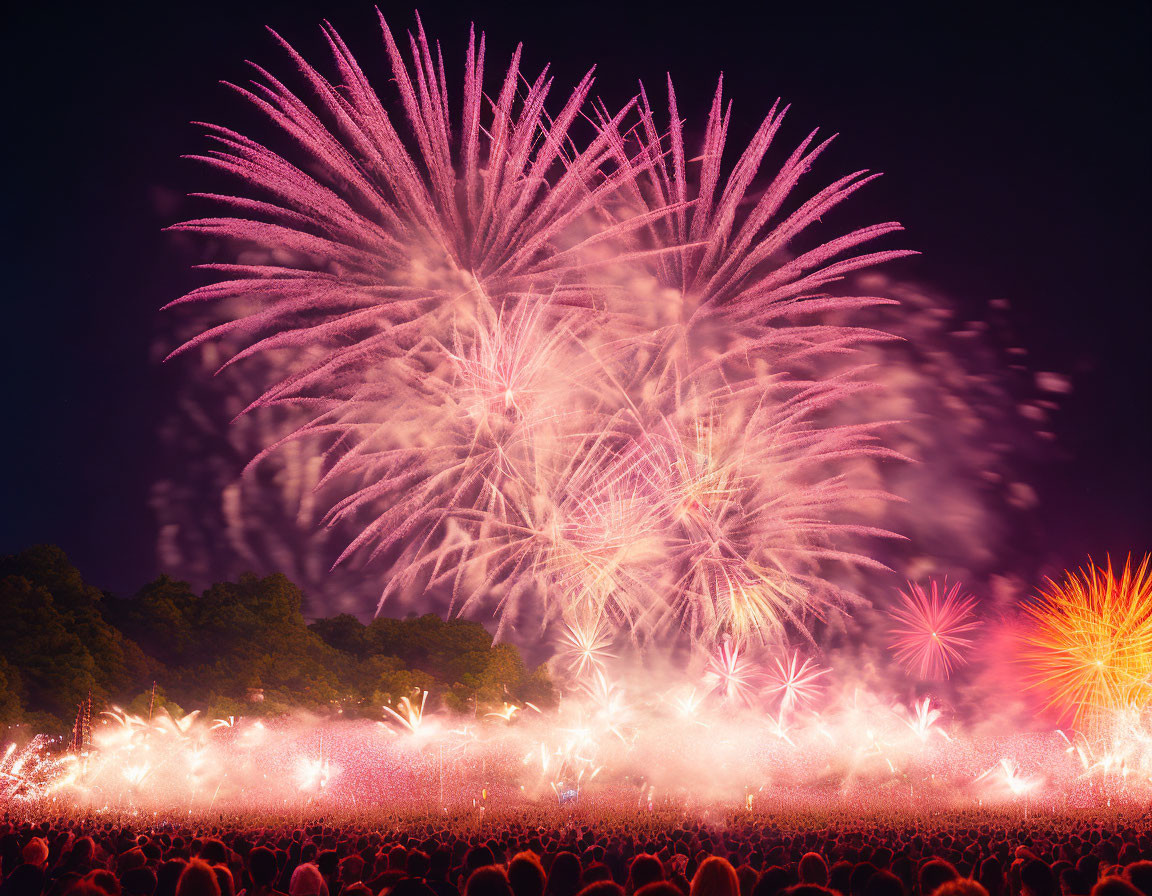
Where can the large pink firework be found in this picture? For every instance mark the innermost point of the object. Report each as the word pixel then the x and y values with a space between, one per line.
pixel 551 377
pixel 933 629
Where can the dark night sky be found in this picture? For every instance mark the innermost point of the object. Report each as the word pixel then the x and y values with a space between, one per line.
pixel 1015 147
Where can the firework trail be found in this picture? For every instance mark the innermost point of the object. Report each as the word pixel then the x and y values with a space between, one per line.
pixel 1089 649
pixel 933 629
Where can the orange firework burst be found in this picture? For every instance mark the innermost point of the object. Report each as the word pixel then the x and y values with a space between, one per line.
pixel 1089 648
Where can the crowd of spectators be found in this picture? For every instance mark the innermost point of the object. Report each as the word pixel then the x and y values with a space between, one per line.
pixel 524 857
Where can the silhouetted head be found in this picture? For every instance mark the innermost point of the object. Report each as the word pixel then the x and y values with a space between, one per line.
pixel 214 852
pixel 884 883
pixel 224 879
pixel 644 869
pixel 1037 879
pixel 961 886
pixel 933 874
pixel 490 880
pixel 198 879
pixel 1114 886
pixel 526 875
pixel 715 877
pixel 35 852
pixel 564 875
pixel 1139 874
pixel 812 869
pixel 306 881
pixel 139 882
pixel 478 857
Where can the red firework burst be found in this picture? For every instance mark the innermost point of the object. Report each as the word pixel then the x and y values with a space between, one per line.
pixel 932 630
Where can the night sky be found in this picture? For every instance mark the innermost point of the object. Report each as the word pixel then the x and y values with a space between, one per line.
pixel 1015 148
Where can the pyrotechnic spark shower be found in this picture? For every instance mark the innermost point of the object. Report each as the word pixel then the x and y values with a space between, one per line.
pixel 410 716
pixel 693 750
pixel 552 376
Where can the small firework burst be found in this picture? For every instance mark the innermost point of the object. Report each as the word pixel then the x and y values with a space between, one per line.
pixel 795 681
pixel 314 774
pixel 610 706
pixel 1008 774
pixel 933 630
pixel 686 702
pixel 585 645
pixel 732 674
pixel 410 717
pixel 1089 648
pixel 923 720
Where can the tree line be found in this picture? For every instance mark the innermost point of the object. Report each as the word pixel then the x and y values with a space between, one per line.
pixel 238 648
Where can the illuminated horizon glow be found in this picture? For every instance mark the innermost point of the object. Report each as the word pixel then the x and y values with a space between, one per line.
pixel 683 738
pixel 795 681
pixel 617 744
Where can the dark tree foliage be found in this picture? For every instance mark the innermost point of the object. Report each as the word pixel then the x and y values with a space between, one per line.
pixel 57 645
pixel 241 647
pixel 458 655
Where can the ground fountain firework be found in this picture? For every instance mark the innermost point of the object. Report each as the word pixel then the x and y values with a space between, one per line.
pixel 763 726
pixel 612 743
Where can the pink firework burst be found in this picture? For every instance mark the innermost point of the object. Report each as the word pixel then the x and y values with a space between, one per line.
pixel 932 632
pixel 795 681
pixel 731 674
pixel 585 645
pixel 550 376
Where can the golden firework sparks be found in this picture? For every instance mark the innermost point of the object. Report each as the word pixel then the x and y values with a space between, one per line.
pixel 1089 648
